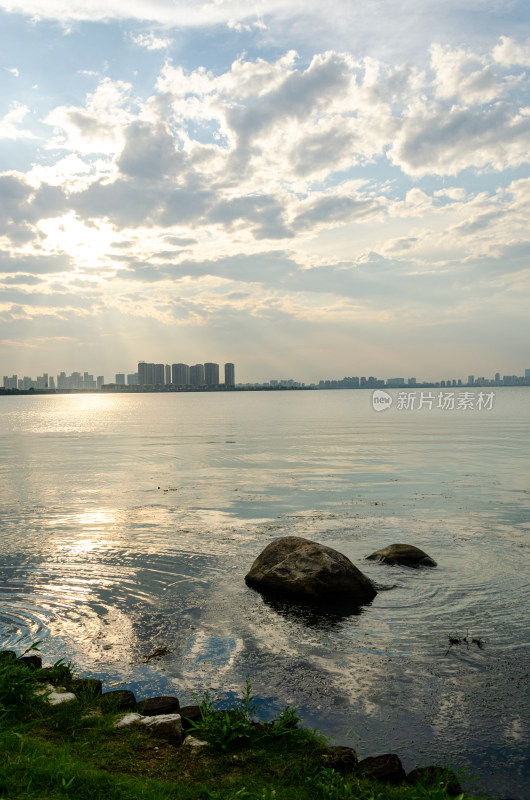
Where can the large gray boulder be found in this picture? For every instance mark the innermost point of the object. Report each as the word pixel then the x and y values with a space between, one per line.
pixel 307 570
pixel 405 554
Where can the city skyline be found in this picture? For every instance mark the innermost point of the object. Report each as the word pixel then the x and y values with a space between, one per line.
pixel 301 187
pixel 207 375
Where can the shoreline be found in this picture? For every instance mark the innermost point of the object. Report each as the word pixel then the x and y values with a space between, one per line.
pixel 205 748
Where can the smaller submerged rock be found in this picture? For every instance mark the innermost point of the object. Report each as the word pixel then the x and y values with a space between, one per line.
pixel 405 554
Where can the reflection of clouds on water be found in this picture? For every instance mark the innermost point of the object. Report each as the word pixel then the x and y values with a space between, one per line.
pixel 515 728
pixel 105 566
pixel 211 654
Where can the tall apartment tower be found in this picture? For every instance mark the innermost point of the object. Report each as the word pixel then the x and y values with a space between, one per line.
pixel 197 375
pixel 160 374
pixel 151 374
pixel 180 374
pixel 211 374
pixel 145 373
pixel 11 382
pixel 230 376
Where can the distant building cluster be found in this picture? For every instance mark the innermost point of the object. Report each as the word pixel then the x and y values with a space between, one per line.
pixel 184 375
pixel 395 383
pixel 77 381
pixel 168 377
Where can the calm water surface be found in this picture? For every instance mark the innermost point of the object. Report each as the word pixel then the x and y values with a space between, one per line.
pixel 128 523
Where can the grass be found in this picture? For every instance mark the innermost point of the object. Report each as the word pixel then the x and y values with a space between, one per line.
pixel 62 752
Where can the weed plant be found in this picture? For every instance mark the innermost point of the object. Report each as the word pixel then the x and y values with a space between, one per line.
pixel 52 753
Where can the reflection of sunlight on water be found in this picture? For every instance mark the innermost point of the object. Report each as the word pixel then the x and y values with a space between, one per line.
pixel 131 522
pixel 97 516
pixel 74 414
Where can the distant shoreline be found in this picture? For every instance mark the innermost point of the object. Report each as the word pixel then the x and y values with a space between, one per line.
pixel 113 389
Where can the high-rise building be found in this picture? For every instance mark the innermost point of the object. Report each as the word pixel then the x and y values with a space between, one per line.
pixel 151 374
pixel 11 383
pixel 159 374
pixel 143 370
pixel 470 380
pixel 197 375
pixel 211 374
pixel 230 375
pixel 100 380
pixel 120 379
pixel 180 375
pixel 167 375
pixel 132 379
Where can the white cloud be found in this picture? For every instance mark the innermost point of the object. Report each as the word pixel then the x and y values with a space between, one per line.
pixel 436 139
pixel 463 76
pixel 96 127
pixel 9 125
pixel 509 52
pixel 13 70
pixel 246 27
pixel 149 41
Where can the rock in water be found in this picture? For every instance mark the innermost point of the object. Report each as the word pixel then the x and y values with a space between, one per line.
pixel 386 768
pixel 405 554
pixel 310 571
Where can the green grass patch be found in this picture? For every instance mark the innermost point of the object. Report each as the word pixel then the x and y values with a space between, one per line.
pixel 73 750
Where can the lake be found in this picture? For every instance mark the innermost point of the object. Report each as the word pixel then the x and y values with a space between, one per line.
pixel 129 521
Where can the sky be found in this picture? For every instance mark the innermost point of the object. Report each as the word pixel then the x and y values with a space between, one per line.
pixel 307 190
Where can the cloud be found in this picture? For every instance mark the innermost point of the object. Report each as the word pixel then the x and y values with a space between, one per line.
pixel 462 75
pixel 509 52
pixel 13 70
pixel 265 212
pixel 149 41
pixel 381 27
pixel 334 210
pixel 38 264
pixel 9 124
pixel 149 152
pixel 298 96
pixel 169 198
pixel 437 139
pixel 23 205
pixel 246 27
pixel 20 280
pixel 97 127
